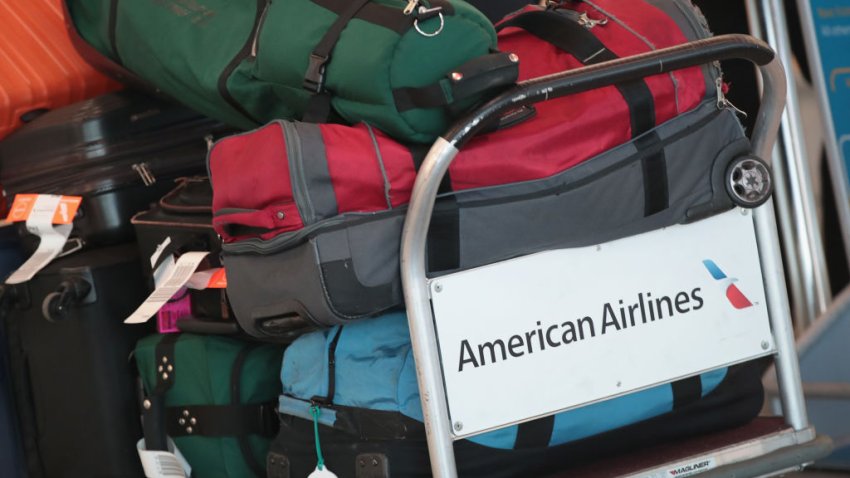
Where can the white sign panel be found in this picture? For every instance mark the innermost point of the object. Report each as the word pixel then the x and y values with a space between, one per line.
pixel 535 335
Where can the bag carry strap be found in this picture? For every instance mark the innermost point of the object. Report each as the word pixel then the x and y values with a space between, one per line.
pixel 476 76
pixel 569 36
pixel 153 407
pixel 221 420
pixel 319 107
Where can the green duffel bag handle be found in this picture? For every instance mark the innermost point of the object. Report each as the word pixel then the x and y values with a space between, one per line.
pixel 194 418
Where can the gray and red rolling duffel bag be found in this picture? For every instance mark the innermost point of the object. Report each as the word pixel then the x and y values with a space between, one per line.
pixel 311 214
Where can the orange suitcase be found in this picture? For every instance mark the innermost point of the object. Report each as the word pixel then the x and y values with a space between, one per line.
pixel 39 67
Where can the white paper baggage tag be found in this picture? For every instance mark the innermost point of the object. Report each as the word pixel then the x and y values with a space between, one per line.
pixel 53 238
pixel 171 283
pixel 323 473
pixel 163 464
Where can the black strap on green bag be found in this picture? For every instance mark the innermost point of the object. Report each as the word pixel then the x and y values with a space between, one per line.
pixel 233 420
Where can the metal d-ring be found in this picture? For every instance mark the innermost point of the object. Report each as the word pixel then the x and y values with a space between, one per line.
pixel 433 34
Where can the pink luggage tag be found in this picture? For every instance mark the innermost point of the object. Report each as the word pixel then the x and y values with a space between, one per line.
pixel 178 307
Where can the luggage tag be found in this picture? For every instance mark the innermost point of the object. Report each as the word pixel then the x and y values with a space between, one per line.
pixel 321 470
pixel 49 217
pixel 172 281
pixel 174 309
pixel 163 464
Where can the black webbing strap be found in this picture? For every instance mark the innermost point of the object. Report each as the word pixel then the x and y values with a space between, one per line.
pixel 567 35
pixel 328 399
pixel 443 240
pixel 535 434
pixel 234 420
pixel 318 108
pixel 686 391
pixel 153 407
pixel 476 76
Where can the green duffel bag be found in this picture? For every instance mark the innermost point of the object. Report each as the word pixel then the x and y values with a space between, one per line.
pixel 215 397
pixel 404 66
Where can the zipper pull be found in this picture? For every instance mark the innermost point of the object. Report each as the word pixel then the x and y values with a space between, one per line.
pixel 589 23
pixel 411 6
pixel 723 102
pixel 145 173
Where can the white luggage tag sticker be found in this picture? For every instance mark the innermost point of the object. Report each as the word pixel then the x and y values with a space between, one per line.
pixel 165 269
pixel 323 473
pixel 171 283
pixel 163 464
pixel 41 211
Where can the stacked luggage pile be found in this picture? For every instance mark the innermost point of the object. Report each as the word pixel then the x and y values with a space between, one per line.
pixel 306 361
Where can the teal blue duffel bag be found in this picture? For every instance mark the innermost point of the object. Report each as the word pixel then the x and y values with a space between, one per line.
pixel 353 389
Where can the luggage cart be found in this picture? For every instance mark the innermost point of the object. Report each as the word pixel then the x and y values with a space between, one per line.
pixel 762 448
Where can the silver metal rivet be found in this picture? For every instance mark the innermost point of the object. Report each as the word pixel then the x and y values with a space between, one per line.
pixel 765 345
pixel 744 211
pixel 457 76
pixel 159 369
pixel 374 462
pixel 188 429
pixel 281 215
pixel 438 287
pixel 165 375
pixel 170 368
pixel 185 413
pixel 513 57
pixel 193 421
pixel 458 426
pixel 164 359
pixel 147 404
pixel 181 421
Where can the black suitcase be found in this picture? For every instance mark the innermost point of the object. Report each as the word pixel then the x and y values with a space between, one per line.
pixel 70 353
pixel 184 216
pixel 119 151
pixel 387 444
pixel 11 463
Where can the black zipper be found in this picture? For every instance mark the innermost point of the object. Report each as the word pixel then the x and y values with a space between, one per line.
pixel 245 52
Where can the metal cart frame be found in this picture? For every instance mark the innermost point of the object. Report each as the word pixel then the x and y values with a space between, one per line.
pixel 798 438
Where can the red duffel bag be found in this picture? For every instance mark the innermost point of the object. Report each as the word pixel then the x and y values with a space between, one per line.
pixel 311 215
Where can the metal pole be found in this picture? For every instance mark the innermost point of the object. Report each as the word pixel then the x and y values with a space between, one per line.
pixel 782 200
pixel 834 152
pixel 813 272
pixel 423 336
pixel 787 365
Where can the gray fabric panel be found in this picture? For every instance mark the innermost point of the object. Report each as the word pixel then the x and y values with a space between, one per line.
pixel 314 162
pixel 263 287
pixel 375 250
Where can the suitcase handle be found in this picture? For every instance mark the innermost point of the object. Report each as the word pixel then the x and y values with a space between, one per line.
pixel 413 271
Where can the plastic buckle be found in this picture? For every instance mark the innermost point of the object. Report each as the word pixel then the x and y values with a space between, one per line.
pixel 314 78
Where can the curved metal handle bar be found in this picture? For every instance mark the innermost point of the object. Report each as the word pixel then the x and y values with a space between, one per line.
pixel 436 163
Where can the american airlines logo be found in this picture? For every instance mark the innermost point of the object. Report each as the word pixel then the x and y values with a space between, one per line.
pixel 735 296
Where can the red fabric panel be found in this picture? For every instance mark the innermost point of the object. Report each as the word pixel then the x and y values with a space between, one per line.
pixel 354 168
pixel 250 171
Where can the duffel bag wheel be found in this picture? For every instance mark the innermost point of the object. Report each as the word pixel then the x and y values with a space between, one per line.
pixel 748 181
